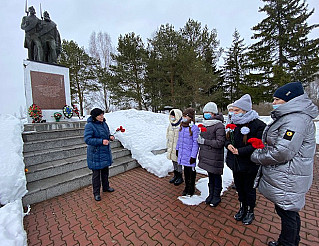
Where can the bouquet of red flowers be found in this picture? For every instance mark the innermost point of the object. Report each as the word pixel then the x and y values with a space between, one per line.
pixel 119 129
pixel 202 128
pixel 35 113
pixel 256 143
pixel 231 126
pixel 76 110
pixel 231 132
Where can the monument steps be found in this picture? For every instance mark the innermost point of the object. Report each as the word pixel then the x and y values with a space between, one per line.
pixel 56 161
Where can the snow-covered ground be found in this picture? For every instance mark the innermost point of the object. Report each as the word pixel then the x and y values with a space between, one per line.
pixel 145 131
pixel 12 182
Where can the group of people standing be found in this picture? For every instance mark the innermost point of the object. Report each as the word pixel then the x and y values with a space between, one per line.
pixel 281 165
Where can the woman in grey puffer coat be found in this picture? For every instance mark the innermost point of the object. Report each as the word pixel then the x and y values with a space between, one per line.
pixel 286 162
pixel 211 152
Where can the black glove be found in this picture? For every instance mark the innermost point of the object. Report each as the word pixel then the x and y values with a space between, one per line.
pixel 176 152
pixel 192 160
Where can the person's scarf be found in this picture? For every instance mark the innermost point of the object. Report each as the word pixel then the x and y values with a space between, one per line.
pixel 211 122
pixel 185 124
pixel 177 123
pixel 248 117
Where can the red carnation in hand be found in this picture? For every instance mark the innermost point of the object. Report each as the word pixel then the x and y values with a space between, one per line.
pixel 119 129
pixel 256 143
pixel 202 128
pixel 231 126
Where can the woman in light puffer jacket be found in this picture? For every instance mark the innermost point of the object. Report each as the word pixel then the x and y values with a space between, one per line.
pixel 175 117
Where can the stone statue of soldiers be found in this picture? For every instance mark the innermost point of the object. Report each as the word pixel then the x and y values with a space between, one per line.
pixel 50 39
pixel 31 25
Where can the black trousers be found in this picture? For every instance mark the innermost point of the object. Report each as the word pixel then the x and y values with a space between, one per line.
pixel 290 227
pixel 245 187
pixel 101 175
pixel 215 180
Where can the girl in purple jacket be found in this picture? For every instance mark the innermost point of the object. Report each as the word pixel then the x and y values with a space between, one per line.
pixel 187 149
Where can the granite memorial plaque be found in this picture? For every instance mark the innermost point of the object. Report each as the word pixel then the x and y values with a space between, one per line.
pixel 48 90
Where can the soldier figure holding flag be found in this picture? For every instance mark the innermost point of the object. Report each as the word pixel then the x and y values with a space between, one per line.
pixel 31 25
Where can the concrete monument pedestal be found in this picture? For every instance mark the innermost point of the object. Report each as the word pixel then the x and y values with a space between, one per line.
pixel 47 86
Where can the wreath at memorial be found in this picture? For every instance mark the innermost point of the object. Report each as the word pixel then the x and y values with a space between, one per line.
pixel 35 113
pixel 68 111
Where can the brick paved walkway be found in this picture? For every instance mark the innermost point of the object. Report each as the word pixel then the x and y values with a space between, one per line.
pixel 144 210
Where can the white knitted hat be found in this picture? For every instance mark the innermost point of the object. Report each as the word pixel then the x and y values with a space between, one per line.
pixel 210 107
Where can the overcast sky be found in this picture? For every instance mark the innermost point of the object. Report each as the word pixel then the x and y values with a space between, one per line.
pixel 77 19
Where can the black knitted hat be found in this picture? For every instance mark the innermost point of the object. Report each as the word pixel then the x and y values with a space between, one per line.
pixel 96 112
pixel 289 91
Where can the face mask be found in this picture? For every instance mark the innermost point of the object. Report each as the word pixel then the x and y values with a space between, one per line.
pixel 184 119
pixel 239 115
pixel 275 106
pixel 231 113
pixel 173 118
pixel 207 116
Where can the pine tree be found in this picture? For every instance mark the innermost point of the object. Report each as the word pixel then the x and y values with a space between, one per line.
pixel 200 74
pixel 283 52
pixel 82 69
pixel 162 67
pixel 235 69
pixel 129 70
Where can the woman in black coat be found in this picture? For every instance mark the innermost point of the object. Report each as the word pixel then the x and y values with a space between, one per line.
pixel 99 157
pixel 211 151
pixel 247 125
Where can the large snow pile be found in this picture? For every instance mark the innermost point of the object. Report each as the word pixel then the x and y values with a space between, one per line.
pixel 12 182
pixel 11 224
pixel 144 131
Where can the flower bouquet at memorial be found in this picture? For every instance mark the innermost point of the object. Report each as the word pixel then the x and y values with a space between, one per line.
pixel 57 116
pixel 67 111
pixel 76 111
pixel 35 113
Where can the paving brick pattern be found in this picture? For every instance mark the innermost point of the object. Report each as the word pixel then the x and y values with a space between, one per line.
pixel 144 210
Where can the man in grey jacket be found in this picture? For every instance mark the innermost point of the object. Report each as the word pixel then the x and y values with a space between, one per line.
pixel 286 171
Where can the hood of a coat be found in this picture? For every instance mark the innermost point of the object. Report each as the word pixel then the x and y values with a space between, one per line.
pixel 178 115
pixel 301 104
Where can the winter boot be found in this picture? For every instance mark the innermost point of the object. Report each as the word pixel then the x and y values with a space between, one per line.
pixel 192 182
pixel 174 178
pixel 179 180
pixel 211 193
pixel 187 178
pixel 241 213
pixel 249 217
pixel 216 198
